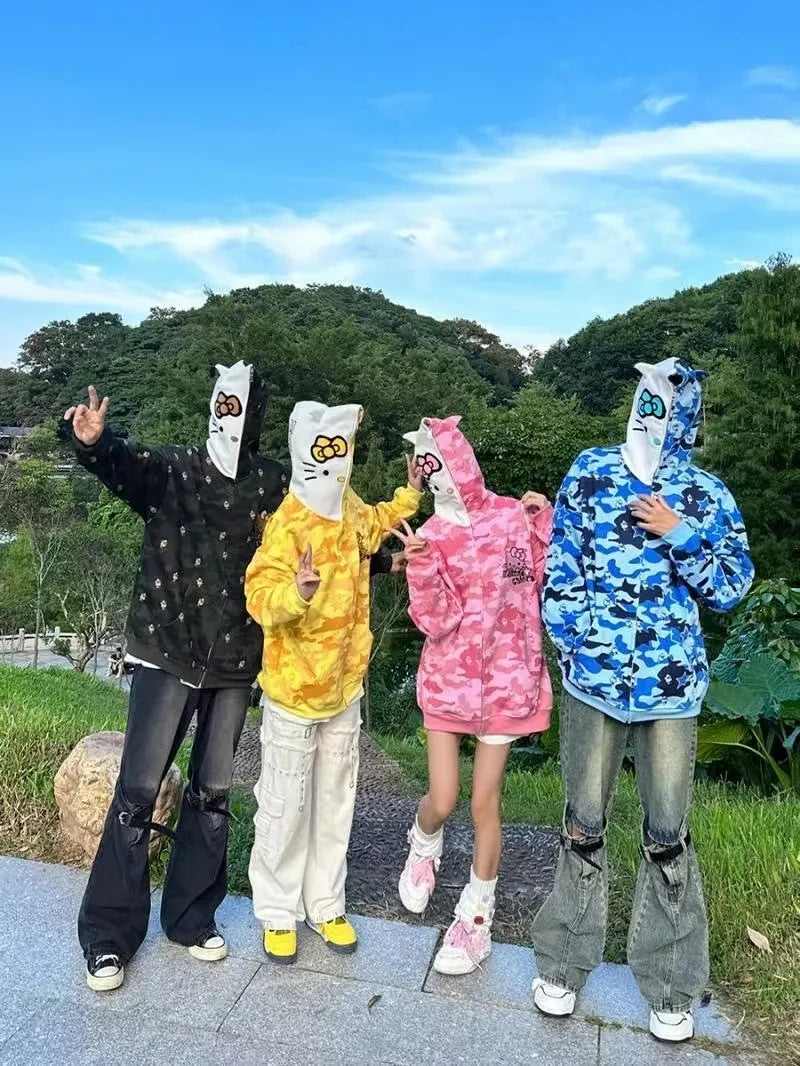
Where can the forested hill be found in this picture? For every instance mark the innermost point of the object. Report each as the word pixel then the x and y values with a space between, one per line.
pixel 345 345
pixel 331 343
pixel 697 324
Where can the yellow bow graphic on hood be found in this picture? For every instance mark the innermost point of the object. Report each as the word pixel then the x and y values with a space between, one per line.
pixel 325 448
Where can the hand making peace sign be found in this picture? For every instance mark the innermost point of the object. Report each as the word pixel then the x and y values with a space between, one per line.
pixel 308 578
pixel 413 544
pixel 88 422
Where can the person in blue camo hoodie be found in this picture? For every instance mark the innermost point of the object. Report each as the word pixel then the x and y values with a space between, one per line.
pixel 641 538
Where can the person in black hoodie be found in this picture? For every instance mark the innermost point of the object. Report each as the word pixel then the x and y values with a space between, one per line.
pixel 195 650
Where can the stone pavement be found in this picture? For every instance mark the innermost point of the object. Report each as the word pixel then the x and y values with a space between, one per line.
pixel 383 1005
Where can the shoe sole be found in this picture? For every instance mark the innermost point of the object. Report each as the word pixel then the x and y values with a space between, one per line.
pixel 557 1013
pixel 672 1039
pixel 105 984
pixel 281 960
pixel 412 908
pixel 337 949
pixel 443 969
pixel 209 954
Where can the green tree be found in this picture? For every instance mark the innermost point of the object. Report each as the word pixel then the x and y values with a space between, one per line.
pixel 39 506
pixel 753 436
pixel 532 445
pixel 92 585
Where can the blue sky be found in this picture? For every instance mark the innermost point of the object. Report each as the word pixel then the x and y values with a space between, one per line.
pixel 528 164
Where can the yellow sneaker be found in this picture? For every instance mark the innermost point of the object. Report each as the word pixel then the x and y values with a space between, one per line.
pixel 338 934
pixel 281 945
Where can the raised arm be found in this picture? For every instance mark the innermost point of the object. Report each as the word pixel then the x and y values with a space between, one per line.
pixel 712 557
pixel 434 605
pixel 539 516
pixel 136 474
pixel 378 521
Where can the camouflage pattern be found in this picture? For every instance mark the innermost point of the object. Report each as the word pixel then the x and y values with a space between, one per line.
pixel 475 594
pixel 620 604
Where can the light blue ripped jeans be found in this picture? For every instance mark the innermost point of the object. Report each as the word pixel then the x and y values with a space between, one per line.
pixel 668 935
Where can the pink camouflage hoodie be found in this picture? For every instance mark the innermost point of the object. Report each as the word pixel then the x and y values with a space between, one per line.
pixel 474 593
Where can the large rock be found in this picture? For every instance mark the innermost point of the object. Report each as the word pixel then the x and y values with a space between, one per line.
pixel 84 786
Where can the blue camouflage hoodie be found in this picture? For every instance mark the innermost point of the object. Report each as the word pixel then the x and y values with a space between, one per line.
pixel 620 604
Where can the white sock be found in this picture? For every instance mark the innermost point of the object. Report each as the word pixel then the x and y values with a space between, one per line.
pixel 481 891
pixel 427 843
pixel 478 899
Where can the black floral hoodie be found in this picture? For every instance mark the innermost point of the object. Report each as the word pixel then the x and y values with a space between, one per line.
pixel 203 509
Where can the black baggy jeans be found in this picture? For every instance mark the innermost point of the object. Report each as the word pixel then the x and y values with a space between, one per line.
pixel 115 911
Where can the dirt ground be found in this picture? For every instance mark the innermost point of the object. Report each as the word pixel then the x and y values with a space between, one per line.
pixel 385 809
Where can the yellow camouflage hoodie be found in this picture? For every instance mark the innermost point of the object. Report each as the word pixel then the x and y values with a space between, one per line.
pixel 316 653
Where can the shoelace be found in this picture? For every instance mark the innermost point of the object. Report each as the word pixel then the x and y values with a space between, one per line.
pixel 106 960
pixel 464 935
pixel 423 870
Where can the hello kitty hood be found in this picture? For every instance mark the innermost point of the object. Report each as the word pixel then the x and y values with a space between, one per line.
pixel 321 443
pixel 450 470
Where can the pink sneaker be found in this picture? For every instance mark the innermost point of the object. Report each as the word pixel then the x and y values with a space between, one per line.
pixel 418 878
pixel 466 945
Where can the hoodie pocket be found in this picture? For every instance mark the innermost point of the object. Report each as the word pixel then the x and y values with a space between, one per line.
pixel 600 662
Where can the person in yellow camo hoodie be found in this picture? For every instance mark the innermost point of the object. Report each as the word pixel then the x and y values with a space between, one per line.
pixel 308 587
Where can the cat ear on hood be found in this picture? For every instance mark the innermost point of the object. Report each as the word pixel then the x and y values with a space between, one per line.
pixel 412 437
pixel 644 368
pixel 452 421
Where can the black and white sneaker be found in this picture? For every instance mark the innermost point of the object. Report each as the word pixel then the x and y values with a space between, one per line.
pixel 104 972
pixel 211 947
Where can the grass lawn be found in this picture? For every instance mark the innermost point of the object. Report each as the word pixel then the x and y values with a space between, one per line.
pixel 749 851
pixel 749 846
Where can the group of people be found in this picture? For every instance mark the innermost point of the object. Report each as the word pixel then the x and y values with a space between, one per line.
pixel 249 569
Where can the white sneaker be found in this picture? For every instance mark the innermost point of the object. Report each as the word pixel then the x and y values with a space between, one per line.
pixel 211 947
pixel 418 879
pixel 104 973
pixel 466 945
pixel 552 1000
pixel 664 1025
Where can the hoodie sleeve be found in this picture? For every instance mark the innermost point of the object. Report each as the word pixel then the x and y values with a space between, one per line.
pixel 134 473
pixel 714 558
pixel 380 562
pixel 378 520
pixel 540 525
pixel 434 605
pixel 565 602
pixel 269 585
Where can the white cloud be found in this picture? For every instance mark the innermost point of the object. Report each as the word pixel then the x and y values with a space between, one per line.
pixel 774 77
pixel 660 105
pixel 661 273
pixel 744 264
pixel 602 207
pixel 86 287
pixel 536 233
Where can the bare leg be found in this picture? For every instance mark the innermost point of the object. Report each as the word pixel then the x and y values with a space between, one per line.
pixel 487 785
pixel 441 798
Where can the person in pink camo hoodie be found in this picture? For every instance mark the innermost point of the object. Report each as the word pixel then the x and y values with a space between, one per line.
pixel 474 577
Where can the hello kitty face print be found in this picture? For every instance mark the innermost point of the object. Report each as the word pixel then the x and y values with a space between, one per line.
pixel 649 419
pixel 437 479
pixel 226 422
pixel 321 443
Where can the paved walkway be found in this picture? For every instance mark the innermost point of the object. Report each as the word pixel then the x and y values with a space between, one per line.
pixel 382 1006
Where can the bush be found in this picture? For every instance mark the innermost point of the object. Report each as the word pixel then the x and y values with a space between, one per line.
pixel 751 719
pixel 43 715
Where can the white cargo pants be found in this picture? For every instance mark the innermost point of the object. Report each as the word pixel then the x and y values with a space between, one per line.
pixel 306 795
